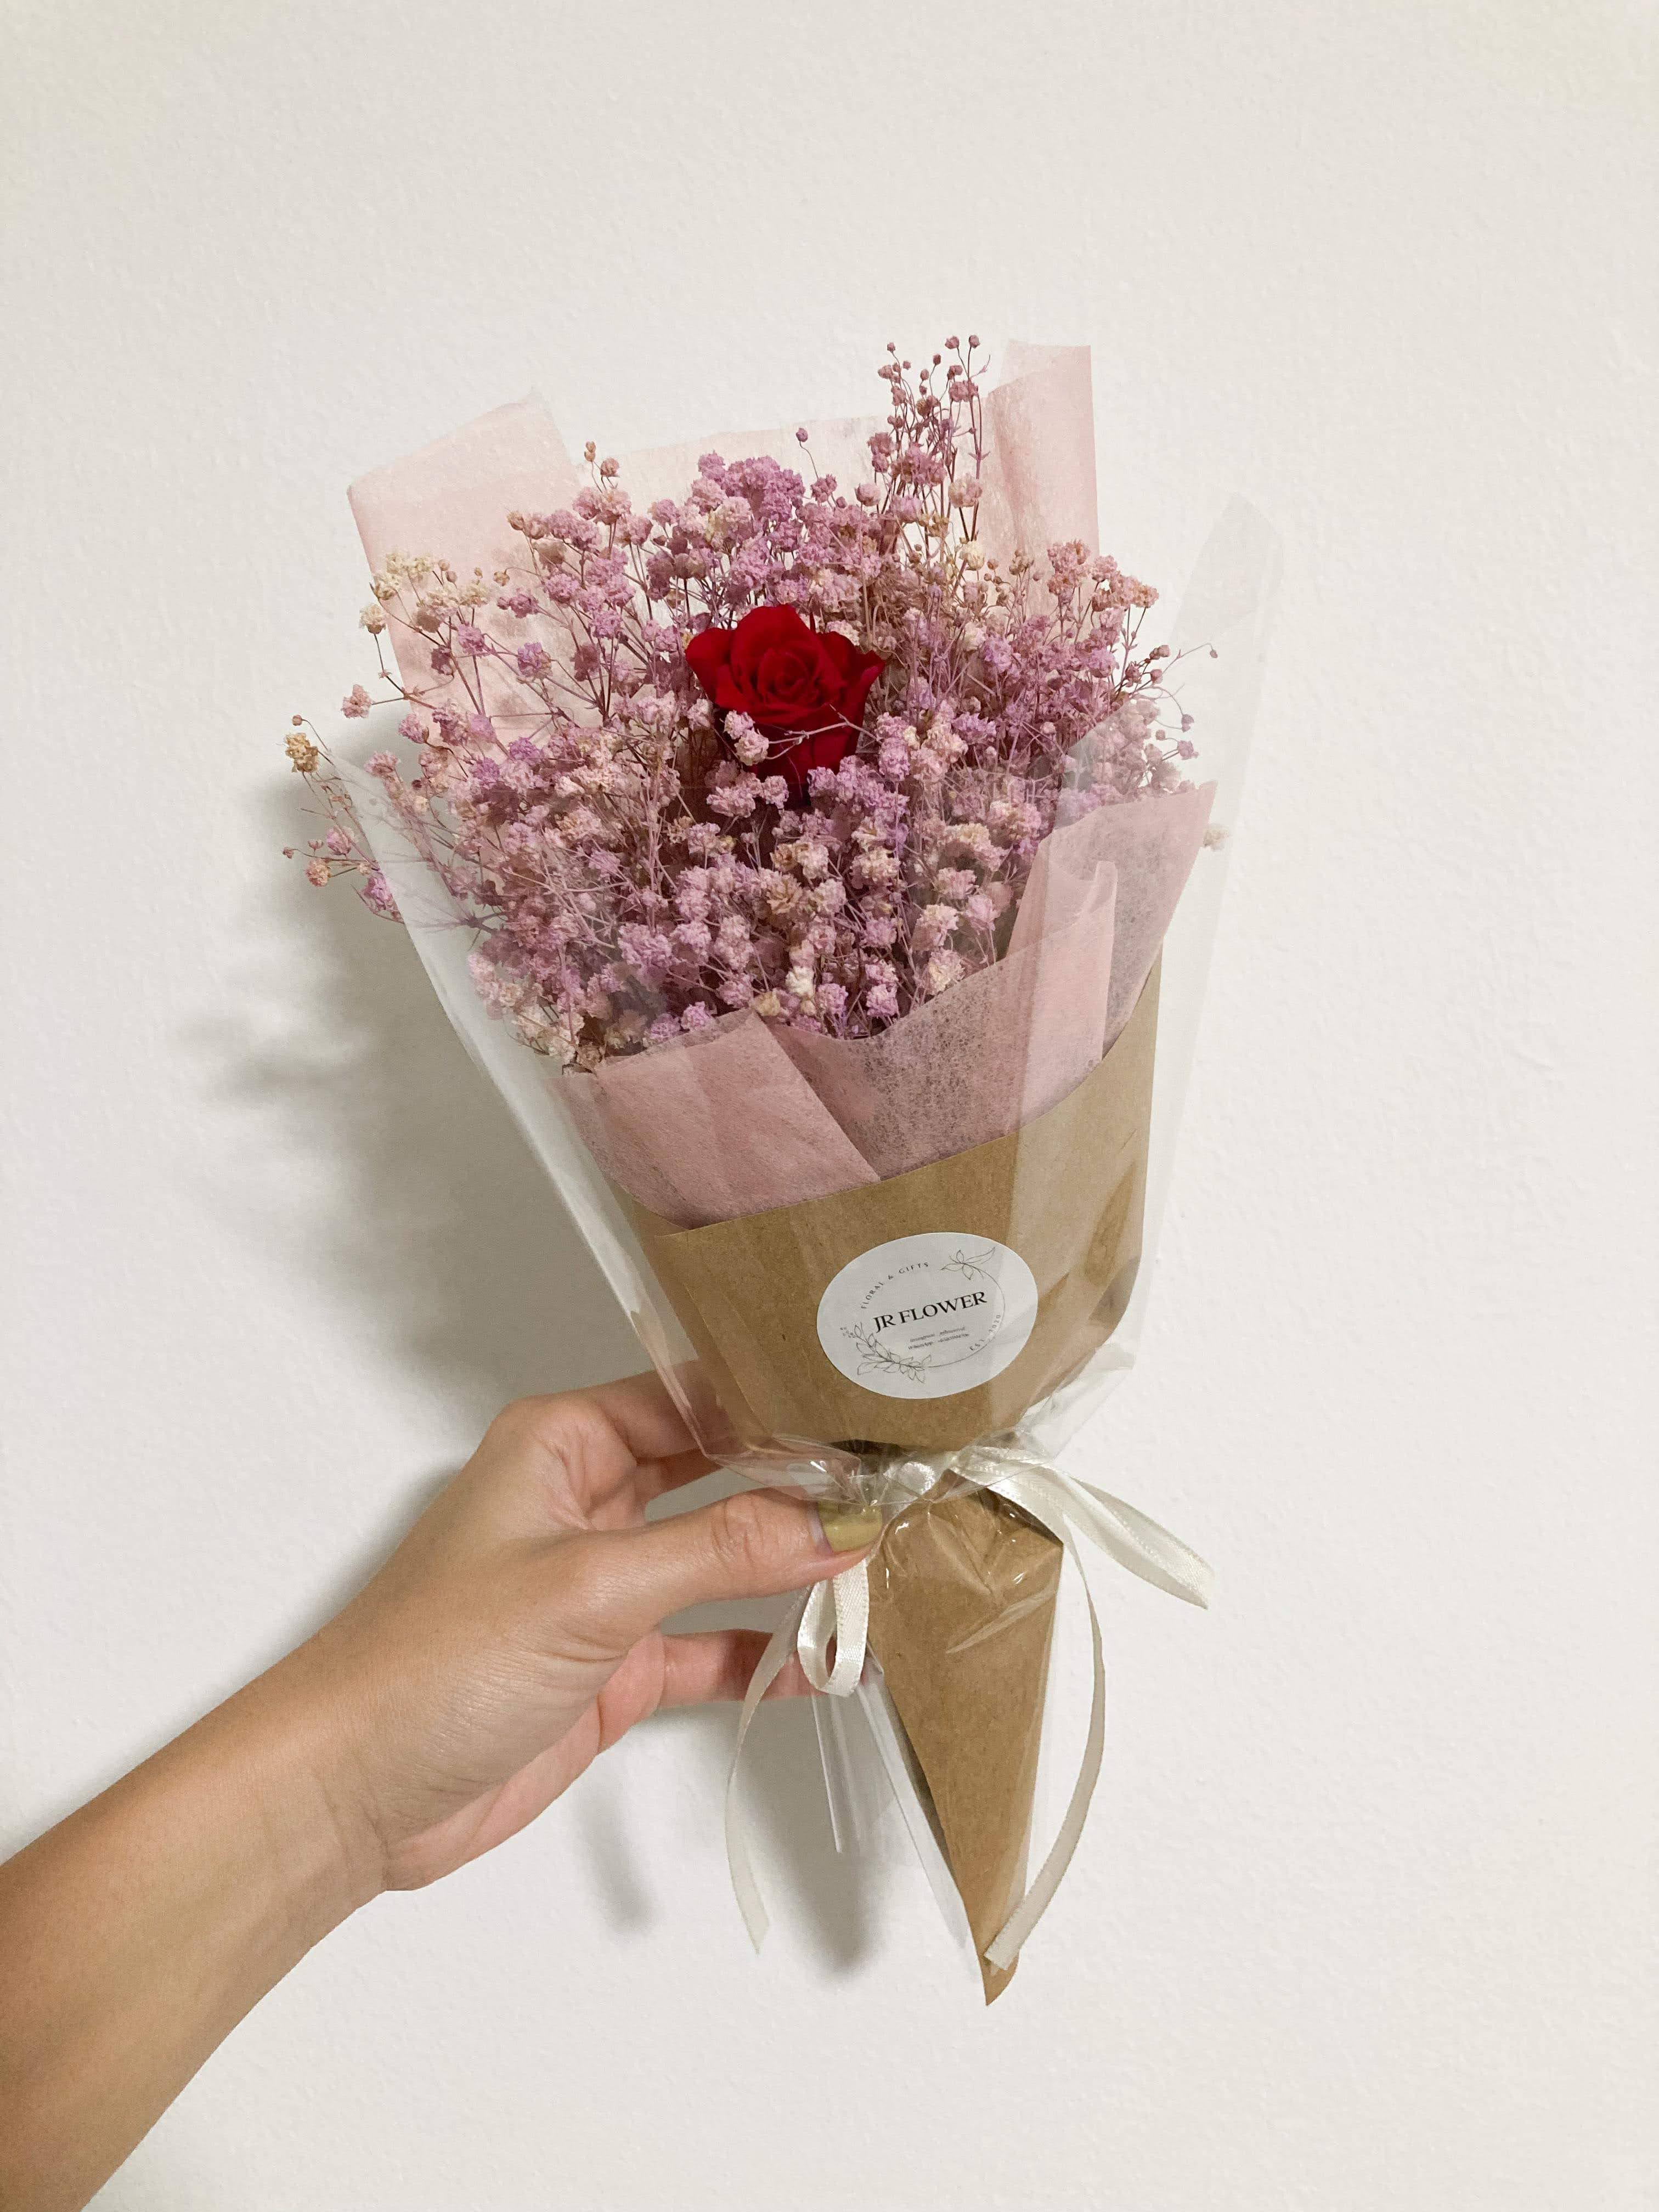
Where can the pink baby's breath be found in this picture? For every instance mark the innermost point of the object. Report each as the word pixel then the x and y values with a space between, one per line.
pixel 633 863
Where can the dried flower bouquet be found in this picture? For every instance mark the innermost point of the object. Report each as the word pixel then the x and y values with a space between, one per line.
pixel 813 830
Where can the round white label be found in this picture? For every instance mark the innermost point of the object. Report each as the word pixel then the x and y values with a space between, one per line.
pixel 926 1316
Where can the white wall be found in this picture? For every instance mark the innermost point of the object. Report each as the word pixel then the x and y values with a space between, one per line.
pixel 1365 1917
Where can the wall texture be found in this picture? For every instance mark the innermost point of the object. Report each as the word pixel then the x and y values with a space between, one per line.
pixel 1365 1917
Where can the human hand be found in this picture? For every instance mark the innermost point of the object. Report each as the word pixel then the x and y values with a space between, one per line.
pixel 514 1633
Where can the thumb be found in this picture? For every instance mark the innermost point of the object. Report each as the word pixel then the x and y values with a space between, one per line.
pixel 755 1544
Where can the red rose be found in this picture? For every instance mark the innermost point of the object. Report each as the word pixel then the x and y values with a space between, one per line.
pixel 792 682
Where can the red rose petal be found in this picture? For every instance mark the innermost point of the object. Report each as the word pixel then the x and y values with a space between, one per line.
pixel 792 682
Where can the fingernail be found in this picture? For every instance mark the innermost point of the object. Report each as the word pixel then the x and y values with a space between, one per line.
pixel 848 1527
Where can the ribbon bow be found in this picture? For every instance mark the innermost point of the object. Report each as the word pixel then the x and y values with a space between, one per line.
pixel 840 1609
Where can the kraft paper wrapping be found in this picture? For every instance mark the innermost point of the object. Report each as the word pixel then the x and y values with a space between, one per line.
pixel 1065 1192
pixel 962 1610
pixel 962 1585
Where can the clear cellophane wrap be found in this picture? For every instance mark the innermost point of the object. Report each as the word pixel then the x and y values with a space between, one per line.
pixel 726 1183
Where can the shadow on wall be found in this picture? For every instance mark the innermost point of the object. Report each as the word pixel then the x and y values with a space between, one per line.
pixel 383 1159
pixel 389 1163
pixel 828 1897
pixel 830 1901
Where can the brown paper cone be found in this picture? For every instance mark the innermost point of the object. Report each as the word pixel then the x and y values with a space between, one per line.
pixel 963 1584
pixel 1065 1192
pixel 962 1609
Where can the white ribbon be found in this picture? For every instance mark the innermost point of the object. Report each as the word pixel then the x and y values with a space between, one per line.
pixel 838 1609
pixel 1067 1507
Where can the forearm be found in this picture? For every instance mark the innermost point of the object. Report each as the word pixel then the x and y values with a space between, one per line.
pixel 135 1935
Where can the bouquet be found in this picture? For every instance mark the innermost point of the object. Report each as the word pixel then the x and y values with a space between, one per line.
pixel 794 831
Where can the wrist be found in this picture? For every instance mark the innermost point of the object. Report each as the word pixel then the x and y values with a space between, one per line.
pixel 286 1740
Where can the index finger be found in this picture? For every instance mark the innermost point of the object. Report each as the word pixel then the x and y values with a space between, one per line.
pixel 652 1427
pixel 654 1478
pixel 644 1416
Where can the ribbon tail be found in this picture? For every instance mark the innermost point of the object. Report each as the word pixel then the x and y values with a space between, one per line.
pixel 1138 1542
pixel 744 1887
